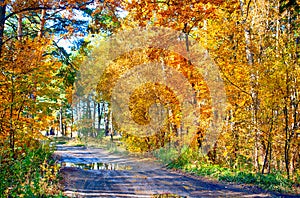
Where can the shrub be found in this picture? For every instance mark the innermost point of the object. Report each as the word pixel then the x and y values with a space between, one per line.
pixel 195 162
pixel 32 173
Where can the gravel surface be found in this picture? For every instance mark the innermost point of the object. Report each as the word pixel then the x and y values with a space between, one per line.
pixel 91 172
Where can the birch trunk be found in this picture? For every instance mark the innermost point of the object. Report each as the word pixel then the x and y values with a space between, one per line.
pixel 253 81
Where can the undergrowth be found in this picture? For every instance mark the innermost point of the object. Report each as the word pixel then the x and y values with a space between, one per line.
pixel 31 173
pixel 196 163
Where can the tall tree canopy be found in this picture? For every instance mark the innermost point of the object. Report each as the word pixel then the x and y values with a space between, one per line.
pixel 254 44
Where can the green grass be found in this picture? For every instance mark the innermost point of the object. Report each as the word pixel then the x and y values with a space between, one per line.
pixel 60 140
pixel 32 173
pixel 199 165
pixel 116 146
pixel 166 156
pixel 272 181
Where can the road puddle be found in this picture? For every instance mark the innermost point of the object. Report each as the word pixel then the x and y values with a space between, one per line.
pixel 167 195
pixel 97 166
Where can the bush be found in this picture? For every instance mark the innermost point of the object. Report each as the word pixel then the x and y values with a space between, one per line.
pixel 32 173
pixel 187 156
pixel 194 162
pixel 166 155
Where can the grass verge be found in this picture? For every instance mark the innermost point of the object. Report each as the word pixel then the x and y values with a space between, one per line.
pixel 31 173
pixel 194 163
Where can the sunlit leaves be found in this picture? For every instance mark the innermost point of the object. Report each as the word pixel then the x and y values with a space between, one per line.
pixel 28 85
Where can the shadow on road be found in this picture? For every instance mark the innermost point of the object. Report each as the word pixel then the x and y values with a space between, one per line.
pixel 90 172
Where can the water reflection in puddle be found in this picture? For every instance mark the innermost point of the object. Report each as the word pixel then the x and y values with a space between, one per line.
pixel 167 195
pixel 97 166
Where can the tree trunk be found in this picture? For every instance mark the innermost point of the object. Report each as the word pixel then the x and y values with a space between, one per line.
pixel 270 159
pixel 94 119
pixel 2 23
pixel 89 117
pixel 72 121
pixel 11 128
pixel 267 158
pixel 286 125
pixel 111 130
pixel 60 121
pixel 107 124
pixel 42 23
pixel 100 115
pixel 286 145
pixel 65 129
pixel 20 26
pixel 254 93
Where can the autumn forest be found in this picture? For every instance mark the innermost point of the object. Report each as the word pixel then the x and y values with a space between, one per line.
pixel 219 77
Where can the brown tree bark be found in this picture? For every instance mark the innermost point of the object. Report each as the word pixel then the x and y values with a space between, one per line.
pixel 20 26
pixel 253 78
pixel 2 23
pixel 42 23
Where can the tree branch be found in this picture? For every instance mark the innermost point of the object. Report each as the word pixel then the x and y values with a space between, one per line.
pixel 47 8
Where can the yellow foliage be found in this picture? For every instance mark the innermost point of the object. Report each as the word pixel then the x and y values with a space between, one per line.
pixel 28 75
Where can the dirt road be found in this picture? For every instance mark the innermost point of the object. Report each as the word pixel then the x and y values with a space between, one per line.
pixel 90 172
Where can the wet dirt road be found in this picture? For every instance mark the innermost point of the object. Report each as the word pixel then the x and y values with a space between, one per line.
pixel 90 172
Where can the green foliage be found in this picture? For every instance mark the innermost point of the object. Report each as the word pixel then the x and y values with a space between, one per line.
pixel 195 162
pixel 272 181
pixel 112 147
pixel 166 155
pixel 100 134
pixel 186 156
pixel 31 174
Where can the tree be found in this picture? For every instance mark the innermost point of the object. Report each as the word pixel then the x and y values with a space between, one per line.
pixel 255 45
pixel 35 74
